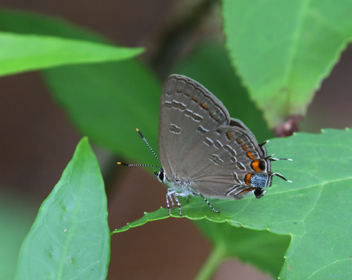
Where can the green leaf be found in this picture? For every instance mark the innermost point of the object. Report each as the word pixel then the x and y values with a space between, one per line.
pixel 106 101
pixel 70 237
pixel 31 23
pixel 21 53
pixel 315 210
pixel 284 49
pixel 262 249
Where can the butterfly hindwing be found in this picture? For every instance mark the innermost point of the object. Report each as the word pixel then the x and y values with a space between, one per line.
pixel 229 158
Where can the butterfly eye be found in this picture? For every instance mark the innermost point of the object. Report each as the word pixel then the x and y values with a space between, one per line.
pixel 160 175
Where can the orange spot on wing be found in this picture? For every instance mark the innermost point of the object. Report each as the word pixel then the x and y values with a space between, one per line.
pixel 239 141
pixel 244 147
pixel 247 179
pixel 195 99
pixel 250 155
pixel 204 106
pixel 256 165
pixel 229 135
pixel 247 190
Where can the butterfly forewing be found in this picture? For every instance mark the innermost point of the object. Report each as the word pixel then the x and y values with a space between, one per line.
pixel 187 111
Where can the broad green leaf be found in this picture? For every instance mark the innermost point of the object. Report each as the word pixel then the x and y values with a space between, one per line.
pixel 106 101
pixel 284 49
pixel 315 210
pixel 31 23
pixel 262 249
pixel 21 53
pixel 70 237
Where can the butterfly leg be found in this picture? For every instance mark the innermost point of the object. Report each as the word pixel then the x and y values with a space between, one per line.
pixel 178 204
pixel 206 200
pixel 169 198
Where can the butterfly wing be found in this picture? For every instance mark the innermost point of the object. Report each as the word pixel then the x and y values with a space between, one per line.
pixel 187 110
pixel 226 162
pixel 199 143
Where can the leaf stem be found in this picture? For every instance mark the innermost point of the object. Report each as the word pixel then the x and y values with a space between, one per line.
pixel 212 263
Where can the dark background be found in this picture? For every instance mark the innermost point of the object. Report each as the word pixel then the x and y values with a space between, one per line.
pixel 38 140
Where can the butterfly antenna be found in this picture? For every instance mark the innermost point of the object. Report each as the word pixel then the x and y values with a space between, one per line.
pixel 147 165
pixel 136 164
pixel 150 148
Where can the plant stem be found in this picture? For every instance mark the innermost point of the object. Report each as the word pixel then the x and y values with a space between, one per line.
pixel 211 265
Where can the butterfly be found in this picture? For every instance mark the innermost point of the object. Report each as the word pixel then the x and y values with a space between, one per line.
pixel 203 151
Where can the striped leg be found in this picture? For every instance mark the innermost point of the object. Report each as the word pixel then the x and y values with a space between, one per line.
pixel 178 204
pixel 170 198
pixel 212 208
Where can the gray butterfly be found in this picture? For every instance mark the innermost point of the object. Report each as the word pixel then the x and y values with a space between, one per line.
pixel 203 152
